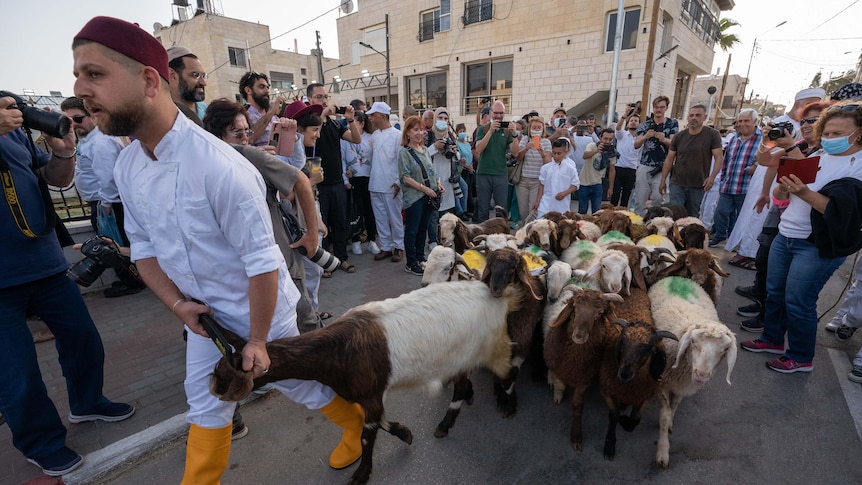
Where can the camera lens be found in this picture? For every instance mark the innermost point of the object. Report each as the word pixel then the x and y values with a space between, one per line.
pixel 325 260
pixel 85 271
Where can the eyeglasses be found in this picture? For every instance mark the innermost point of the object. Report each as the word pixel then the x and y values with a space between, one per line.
pixel 320 96
pixel 847 108
pixel 809 121
pixel 199 75
pixel 79 118
pixel 240 133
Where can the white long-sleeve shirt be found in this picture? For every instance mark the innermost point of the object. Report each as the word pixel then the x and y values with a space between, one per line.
pixel 385 147
pixel 200 210
pixel 94 168
pixel 555 178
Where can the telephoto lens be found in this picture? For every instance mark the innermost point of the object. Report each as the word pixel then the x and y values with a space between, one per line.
pixel 324 259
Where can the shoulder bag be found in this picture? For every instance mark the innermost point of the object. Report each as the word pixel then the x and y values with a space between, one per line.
pixel 433 202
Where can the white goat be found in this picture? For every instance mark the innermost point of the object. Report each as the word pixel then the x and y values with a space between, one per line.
pixel 541 232
pixel 492 242
pixel 444 264
pixel 606 270
pixel 590 230
pixel 682 307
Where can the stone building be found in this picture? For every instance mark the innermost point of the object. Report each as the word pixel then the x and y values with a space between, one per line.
pixel 531 55
pixel 727 105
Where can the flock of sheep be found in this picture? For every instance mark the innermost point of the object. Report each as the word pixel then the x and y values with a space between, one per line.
pixel 626 301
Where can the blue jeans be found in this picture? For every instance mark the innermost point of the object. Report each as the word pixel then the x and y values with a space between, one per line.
pixel 589 195
pixel 726 213
pixel 37 431
pixel 795 276
pixel 688 197
pixel 415 229
pixel 461 202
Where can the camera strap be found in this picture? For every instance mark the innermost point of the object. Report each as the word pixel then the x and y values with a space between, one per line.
pixel 422 168
pixel 13 201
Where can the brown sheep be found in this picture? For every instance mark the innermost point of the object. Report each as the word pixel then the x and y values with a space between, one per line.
pixel 694 236
pixel 554 216
pixel 568 232
pixel 700 266
pixel 504 268
pixel 615 221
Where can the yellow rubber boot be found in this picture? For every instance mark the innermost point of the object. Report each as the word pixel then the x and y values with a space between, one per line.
pixel 352 419
pixel 207 453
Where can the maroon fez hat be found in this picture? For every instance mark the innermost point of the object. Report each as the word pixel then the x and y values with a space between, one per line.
pixel 127 39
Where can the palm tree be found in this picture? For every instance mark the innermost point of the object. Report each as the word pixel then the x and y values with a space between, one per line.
pixel 725 40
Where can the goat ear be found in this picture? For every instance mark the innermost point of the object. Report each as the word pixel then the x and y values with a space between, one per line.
pixel 564 315
pixel 627 279
pixel 676 237
pixel 677 265
pixel 713 265
pixel 731 356
pixel 683 346
pixel 528 280
pixel 658 363
pixel 594 270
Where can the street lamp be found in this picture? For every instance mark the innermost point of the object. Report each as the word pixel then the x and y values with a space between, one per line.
pixel 748 71
pixel 334 68
pixel 385 56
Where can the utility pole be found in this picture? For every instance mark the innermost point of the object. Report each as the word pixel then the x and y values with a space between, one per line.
pixel 388 74
pixel 319 58
pixel 715 119
pixel 648 65
pixel 618 43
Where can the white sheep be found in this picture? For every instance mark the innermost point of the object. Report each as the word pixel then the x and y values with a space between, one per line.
pixel 557 276
pixel 613 237
pixel 420 339
pixel 606 270
pixel 590 230
pixel 492 242
pixel 444 264
pixel 682 307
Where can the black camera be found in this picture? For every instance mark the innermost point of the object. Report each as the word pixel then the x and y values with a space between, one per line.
pixel 341 110
pixel 450 150
pixel 321 257
pixel 607 147
pixel 655 171
pixel 778 129
pixel 48 122
pixel 99 255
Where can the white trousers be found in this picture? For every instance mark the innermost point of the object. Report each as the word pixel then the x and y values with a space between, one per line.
pixel 646 188
pixel 390 225
pixel 207 411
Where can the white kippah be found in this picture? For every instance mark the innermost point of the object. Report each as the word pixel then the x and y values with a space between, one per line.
pixel 810 93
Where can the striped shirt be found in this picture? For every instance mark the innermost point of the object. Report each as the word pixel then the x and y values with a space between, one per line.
pixel 739 156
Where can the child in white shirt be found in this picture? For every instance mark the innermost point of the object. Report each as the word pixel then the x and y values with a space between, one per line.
pixel 557 182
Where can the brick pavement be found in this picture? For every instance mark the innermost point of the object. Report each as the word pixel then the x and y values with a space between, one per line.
pixel 144 363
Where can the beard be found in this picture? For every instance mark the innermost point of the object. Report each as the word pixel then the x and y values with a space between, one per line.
pixel 190 95
pixel 261 100
pixel 124 120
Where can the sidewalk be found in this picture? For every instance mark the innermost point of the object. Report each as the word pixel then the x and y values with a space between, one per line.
pixel 145 366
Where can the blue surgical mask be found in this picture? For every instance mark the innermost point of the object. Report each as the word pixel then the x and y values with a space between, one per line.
pixel 440 125
pixel 834 146
pixel 517 133
pixel 462 136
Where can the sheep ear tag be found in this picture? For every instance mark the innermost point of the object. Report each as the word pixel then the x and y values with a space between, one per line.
pixel 474 259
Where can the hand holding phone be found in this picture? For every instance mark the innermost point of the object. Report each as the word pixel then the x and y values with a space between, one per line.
pixel 804 168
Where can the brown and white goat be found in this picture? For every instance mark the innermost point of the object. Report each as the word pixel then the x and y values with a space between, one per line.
pixel 444 264
pixel 454 233
pixel 700 266
pixel 420 339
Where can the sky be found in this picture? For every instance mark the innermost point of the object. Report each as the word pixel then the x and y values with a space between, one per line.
pixel 818 36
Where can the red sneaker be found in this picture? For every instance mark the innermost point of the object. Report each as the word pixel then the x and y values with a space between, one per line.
pixel 789 366
pixel 761 346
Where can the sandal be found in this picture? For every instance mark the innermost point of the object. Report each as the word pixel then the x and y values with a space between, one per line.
pixel 347 267
pixel 324 315
pixel 326 274
pixel 743 262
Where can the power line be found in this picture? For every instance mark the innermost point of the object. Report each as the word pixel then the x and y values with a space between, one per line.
pixel 809 40
pixel 830 18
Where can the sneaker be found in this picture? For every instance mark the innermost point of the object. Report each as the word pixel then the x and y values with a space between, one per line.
pixel 59 463
pixel 789 366
pixel 751 310
pixel 855 375
pixel 717 242
pixel 432 246
pixel 356 247
pixel 373 248
pixel 761 346
pixel 260 391
pixel 748 292
pixel 754 325
pixel 397 254
pixel 844 332
pixel 110 412
pixel 238 431
pixel 414 269
pixel 833 324
pixel 122 290
pixel 382 255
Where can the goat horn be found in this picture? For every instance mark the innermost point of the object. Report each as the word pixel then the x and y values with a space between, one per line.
pixel 666 334
pixel 479 238
pixel 621 322
pixel 460 259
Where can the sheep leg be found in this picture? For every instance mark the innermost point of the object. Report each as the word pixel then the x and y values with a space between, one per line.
pixel 611 435
pixel 669 403
pixel 537 358
pixel 463 392
pixel 363 472
pixel 575 436
pixel 507 398
pixel 630 422
pixel 558 386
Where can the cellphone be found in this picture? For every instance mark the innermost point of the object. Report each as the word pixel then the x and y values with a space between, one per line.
pixel 273 141
pixel 504 124
pixel 341 110
pixel 804 168
pixel 486 99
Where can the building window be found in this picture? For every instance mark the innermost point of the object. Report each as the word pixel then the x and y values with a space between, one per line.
pixel 236 56
pixel 283 81
pixel 488 79
pixel 427 91
pixel 375 37
pixel 630 29
pixel 305 81
pixel 478 11
pixel 438 20
pixel 698 17
pixel 303 71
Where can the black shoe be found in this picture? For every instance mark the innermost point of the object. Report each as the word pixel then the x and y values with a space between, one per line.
pixel 748 292
pixel 751 310
pixel 844 332
pixel 122 290
pixel 752 325
pixel 414 269
pixel 110 412
pixel 59 463
pixel 238 431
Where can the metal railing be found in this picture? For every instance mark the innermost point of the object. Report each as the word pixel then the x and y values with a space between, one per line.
pixel 476 11
pixel 427 29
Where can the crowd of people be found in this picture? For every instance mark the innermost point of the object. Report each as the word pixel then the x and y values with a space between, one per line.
pixel 223 181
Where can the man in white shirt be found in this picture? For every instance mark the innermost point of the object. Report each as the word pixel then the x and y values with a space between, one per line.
pixel 386 201
pixel 192 200
pixel 581 138
pixel 622 174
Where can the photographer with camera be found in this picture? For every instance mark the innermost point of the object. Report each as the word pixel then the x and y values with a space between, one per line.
pixel 34 277
pixel 597 159
pixel 492 178
pixel 445 157
pixel 621 175
pixel 653 139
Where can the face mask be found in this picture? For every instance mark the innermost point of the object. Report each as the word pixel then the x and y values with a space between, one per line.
pixel 834 146
pixel 517 133
pixel 462 136
pixel 440 125
pixel 536 132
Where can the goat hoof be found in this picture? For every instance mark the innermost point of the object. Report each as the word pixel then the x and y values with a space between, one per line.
pixel 358 480
pixel 609 455
pixel 577 446
pixel 441 432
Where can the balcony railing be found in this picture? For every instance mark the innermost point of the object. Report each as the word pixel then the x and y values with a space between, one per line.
pixel 427 29
pixel 697 16
pixel 476 11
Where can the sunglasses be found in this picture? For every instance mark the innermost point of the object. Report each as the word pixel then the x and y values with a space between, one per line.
pixel 78 118
pixel 809 121
pixel 847 108
pixel 240 133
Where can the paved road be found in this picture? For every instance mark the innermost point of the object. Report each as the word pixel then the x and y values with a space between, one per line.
pixel 766 427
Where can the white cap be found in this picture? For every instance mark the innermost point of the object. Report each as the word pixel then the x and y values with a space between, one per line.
pixel 379 107
pixel 810 93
